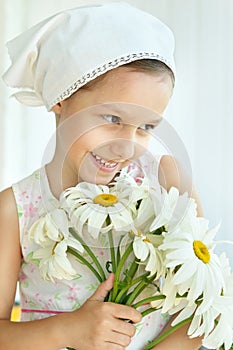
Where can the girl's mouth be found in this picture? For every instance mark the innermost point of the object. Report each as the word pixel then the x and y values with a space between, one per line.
pixel 104 164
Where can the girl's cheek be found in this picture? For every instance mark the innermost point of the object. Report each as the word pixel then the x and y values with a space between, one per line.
pixel 143 144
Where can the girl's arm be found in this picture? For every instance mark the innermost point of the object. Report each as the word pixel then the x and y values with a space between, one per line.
pixel 172 173
pixel 10 253
pixel 96 325
pixel 16 335
pixel 178 340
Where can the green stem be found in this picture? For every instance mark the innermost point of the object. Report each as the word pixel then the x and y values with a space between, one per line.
pixel 128 286
pixel 118 270
pixel 137 291
pixel 167 333
pixel 148 311
pixel 90 253
pixel 128 280
pixel 153 298
pixel 132 270
pixel 109 296
pixel 86 262
pixel 148 300
pixel 112 251
pixel 118 253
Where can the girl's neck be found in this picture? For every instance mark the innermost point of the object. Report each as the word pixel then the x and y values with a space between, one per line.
pixel 60 177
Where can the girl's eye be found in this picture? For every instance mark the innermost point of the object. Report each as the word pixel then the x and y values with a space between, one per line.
pixel 147 127
pixel 111 118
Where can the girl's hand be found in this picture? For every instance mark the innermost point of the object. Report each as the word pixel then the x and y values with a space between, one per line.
pixel 101 325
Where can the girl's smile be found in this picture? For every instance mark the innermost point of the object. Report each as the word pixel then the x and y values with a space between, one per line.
pixel 103 164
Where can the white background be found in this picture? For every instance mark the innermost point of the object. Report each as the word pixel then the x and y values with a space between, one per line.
pixel 200 110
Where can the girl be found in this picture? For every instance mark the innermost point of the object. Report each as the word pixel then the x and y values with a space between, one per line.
pixel 107 72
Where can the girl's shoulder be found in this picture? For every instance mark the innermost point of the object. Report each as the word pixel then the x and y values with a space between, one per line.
pixel 168 172
pixel 8 212
pixel 13 199
pixel 33 189
pixel 13 206
pixel 7 202
pixel 29 181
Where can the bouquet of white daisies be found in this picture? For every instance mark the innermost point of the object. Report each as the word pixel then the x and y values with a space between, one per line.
pixel 154 238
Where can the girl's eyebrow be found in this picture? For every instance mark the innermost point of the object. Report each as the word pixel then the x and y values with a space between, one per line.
pixel 112 107
pixel 155 119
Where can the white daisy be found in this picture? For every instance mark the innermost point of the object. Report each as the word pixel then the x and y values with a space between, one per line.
pixel 148 254
pixel 221 335
pixel 185 309
pixel 140 187
pixel 218 308
pixel 145 211
pixel 211 320
pixel 51 234
pixel 94 205
pixel 206 310
pixel 145 248
pixel 190 255
pixel 170 291
pixel 140 197
pixel 172 209
pixel 164 207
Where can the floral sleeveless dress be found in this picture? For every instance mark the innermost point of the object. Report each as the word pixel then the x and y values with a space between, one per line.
pixel 40 298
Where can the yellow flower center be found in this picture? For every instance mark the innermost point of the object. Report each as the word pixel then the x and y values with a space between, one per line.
pixel 201 251
pixel 105 199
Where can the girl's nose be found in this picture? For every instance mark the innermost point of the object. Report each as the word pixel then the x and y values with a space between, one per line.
pixel 124 147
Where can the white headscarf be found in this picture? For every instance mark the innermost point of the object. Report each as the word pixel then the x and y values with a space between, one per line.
pixel 59 55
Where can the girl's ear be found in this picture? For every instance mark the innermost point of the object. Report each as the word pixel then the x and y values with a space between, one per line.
pixel 57 108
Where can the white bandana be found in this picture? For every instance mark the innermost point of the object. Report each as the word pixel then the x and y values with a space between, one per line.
pixel 59 55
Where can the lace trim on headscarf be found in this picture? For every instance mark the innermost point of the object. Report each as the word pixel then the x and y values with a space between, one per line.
pixel 105 68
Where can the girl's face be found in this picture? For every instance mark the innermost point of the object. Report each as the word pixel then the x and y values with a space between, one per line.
pixel 102 129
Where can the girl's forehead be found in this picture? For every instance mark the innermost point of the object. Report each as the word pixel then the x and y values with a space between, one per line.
pixel 137 89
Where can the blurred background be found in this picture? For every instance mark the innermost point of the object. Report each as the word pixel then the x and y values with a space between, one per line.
pixel 201 109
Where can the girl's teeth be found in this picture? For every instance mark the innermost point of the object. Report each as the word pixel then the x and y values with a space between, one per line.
pixel 104 162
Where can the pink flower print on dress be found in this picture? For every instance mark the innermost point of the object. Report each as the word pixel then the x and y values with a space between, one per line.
pixel 39 298
pixel 32 269
pixel 148 321
pixel 49 304
pixel 29 210
pixel 22 277
pixel 73 292
pixel 24 195
pixel 38 199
